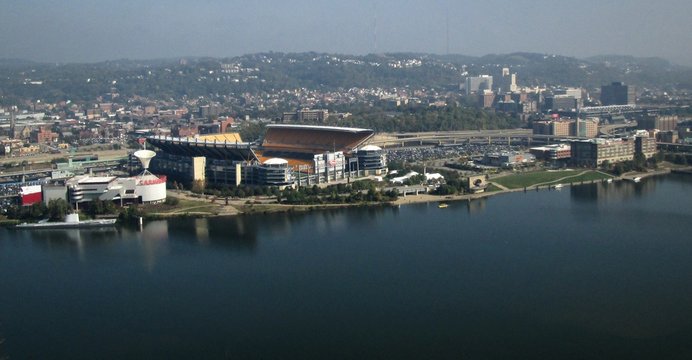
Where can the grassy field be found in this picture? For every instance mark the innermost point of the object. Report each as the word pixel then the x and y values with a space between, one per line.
pixel 492 188
pixel 517 181
pixel 184 206
pixel 8 222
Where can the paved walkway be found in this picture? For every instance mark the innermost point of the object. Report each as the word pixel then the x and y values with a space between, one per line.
pixel 560 179
pixel 501 187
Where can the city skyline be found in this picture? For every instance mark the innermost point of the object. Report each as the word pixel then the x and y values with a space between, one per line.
pixel 91 31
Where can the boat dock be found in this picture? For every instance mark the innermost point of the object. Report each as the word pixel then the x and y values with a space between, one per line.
pixel 685 171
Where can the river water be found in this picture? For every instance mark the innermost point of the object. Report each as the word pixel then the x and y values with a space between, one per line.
pixel 592 271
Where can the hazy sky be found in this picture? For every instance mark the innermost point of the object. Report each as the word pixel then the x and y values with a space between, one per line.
pixel 96 30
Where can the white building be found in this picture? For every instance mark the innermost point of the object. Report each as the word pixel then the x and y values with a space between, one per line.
pixel 143 189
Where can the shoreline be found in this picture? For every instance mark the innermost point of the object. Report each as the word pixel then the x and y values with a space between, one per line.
pixel 241 207
pixel 256 206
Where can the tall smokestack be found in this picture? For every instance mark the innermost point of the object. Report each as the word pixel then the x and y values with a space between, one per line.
pixel 12 121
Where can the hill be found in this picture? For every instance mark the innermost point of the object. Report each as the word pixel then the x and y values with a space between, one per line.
pixel 273 72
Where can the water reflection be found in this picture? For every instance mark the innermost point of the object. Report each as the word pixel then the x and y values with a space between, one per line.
pixel 612 192
pixel 154 242
pixel 476 206
pixel 155 237
pixel 72 239
pixel 233 233
pixel 202 230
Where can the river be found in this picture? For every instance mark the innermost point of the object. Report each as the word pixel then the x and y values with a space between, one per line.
pixel 591 271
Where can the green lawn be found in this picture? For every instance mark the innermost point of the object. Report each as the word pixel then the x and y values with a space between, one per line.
pixel 7 222
pixel 492 188
pixel 517 181
pixel 185 206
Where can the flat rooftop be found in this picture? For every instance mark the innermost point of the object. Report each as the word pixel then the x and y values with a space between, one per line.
pixel 97 180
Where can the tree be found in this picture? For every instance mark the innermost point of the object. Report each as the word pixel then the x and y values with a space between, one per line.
pixel 131 213
pixel 95 207
pixel 619 169
pixel 639 161
pixel 198 186
pixel 445 189
pixel 415 180
pixel 172 201
pixel 374 195
pixel 680 159
pixel 58 209
pixel 37 211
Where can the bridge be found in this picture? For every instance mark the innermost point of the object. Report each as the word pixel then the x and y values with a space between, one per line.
pixel 409 190
pixel 613 129
pixel 26 175
pixel 675 148
pixel 610 110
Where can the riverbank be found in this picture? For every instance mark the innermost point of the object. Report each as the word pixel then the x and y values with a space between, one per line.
pixel 196 205
pixel 263 205
pixel 199 206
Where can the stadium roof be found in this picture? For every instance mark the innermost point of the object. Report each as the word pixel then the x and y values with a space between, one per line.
pixel 313 139
pixel 215 149
pixel 319 128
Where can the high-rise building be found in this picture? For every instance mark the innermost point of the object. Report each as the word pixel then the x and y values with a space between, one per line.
pixel 645 145
pixel 207 111
pixel 667 136
pixel 507 81
pixel 316 115
pixel 584 128
pixel 659 122
pixel 560 128
pixel 478 84
pixel 567 127
pixel 594 152
pixel 618 93
pixel 560 102
pixel 486 99
pixel 576 93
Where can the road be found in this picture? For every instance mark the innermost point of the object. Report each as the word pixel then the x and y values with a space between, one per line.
pixel 46 158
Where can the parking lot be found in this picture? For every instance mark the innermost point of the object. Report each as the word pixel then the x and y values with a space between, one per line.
pixel 416 154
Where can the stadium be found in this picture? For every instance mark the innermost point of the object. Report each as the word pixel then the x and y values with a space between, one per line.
pixel 289 155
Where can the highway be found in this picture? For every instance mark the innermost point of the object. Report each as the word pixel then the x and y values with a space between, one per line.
pixel 46 158
pixel 454 137
pixel 611 129
pixel 27 174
